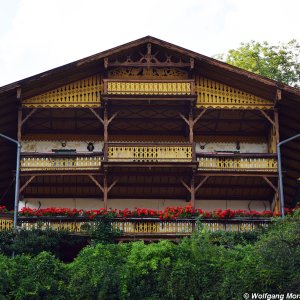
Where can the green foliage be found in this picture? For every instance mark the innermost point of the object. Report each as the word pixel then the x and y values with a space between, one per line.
pixel 280 62
pixel 95 273
pixel 206 266
pixel 145 273
pixel 101 231
pixel 34 241
pixel 40 277
pixel 231 239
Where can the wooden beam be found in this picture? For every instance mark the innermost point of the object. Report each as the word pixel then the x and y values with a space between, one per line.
pixel 270 184
pixel 26 184
pixel 112 185
pixel 111 118
pixel 96 115
pixel 28 116
pixel 105 124
pixel 96 182
pixel 267 117
pixel 105 191
pixel 276 126
pixel 184 118
pixel 201 183
pixel 199 116
pixel 20 124
pixel 19 91
pixel 193 191
pixel 185 185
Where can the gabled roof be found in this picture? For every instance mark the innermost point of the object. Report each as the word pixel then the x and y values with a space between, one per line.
pixel 211 67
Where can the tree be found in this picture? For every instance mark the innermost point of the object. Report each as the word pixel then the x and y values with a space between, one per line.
pixel 279 62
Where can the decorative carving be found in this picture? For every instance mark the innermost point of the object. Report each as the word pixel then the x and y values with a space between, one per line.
pixel 148 58
pixel 60 163
pixel 150 154
pixel 145 73
pixel 82 93
pixel 237 164
pixel 147 87
pixel 212 94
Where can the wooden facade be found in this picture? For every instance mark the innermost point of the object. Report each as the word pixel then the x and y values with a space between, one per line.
pixel 149 124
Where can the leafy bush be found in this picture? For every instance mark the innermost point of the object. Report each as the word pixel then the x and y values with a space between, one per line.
pixel 205 266
pixel 95 273
pixel 32 242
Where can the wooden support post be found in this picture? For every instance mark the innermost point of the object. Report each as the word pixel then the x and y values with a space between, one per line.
pixel 26 184
pixel 193 191
pixel 276 126
pixel 105 191
pixel 20 124
pixel 28 116
pixel 105 124
pixel 191 122
pixel 191 125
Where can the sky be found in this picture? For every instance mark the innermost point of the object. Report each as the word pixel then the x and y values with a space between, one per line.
pixel 38 35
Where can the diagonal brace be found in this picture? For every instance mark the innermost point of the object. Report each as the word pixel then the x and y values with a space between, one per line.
pixel 201 183
pixel 26 184
pixel 96 115
pixel 28 116
pixel 270 184
pixel 97 183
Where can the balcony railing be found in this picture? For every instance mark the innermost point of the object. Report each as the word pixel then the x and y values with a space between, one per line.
pixel 237 162
pixel 60 162
pixel 149 87
pixel 145 227
pixel 149 152
pixel 6 222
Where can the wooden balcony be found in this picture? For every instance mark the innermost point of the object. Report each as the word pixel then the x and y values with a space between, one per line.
pixel 237 162
pixel 6 222
pixel 60 162
pixel 144 228
pixel 149 152
pixel 165 88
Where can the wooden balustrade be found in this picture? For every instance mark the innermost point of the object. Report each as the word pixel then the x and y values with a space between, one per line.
pixel 241 162
pixel 6 222
pixel 149 87
pixel 147 152
pixel 48 162
pixel 144 226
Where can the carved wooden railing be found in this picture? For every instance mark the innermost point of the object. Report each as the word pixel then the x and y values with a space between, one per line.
pixel 63 162
pixel 149 152
pixel 6 222
pixel 144 226
pixel 237 162
pixel 149 87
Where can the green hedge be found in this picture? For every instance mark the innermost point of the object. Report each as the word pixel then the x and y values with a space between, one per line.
pixel 205 266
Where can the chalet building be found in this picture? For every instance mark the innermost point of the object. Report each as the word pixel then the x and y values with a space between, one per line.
pixel 149 124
